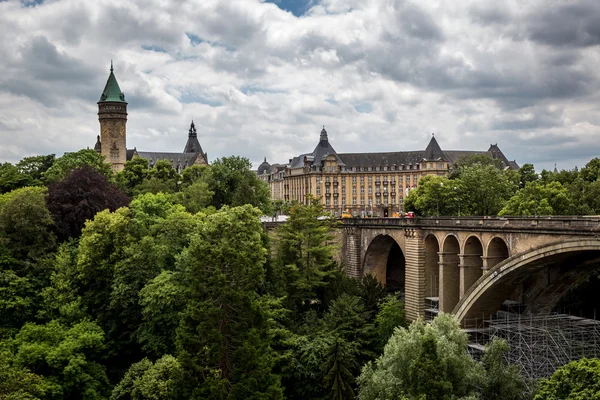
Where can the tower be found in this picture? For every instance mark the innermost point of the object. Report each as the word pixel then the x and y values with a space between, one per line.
pixel 193 146
pixel 112 114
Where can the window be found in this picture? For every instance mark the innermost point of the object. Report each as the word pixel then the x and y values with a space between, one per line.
pixel 378 201
pixel 430 165
pixel 362 179
pixel 354 201
pixel 370 168
pixel 353 189
pixel 353 179
pixel 370 179
pixel 370 190
pixel 343 201
pixel 400 179
pixel 328 201
pixel 318 179
pixel 318 189
pixel 362 201
pixel 415 178
pixel 440 165
pixel 393 201
pixel 335 202
pixel 343 180
pixel 362 190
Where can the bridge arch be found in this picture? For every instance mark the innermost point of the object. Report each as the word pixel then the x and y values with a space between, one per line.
pixel 385 260
pixel 548 271
pixel 449 273
pixel 471 266
pixel 432 268
pixel 497 251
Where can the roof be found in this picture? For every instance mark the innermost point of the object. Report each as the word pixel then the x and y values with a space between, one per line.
pixel 176 159
pixel 433 151
pixel 263 167
pixel 112 92
pixel 381 159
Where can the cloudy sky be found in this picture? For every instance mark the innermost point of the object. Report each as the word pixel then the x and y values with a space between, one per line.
pixel 260 78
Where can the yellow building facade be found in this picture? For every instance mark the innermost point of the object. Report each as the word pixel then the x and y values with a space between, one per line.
pixel 365 184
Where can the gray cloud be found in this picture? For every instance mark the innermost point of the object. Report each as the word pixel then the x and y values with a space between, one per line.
pixel 258 81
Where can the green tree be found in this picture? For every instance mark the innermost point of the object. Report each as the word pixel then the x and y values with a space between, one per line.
pixel 194 197
pixel 591 171
pixel 527 174
pixel 193 174
pixel 70 161
pixel 577 380
pixel 435 195
pixel 25 223
pixel 305 254
pixel 36 166
pixel 484 190
pixel 550 199
pixel 502 381
pixel 224 340
pixel 429 360
pixel 150 381
pixel 233 183
pixel 340 366
pixel 11 178
pixel 68 358
pixel 133 174
pixel 390 317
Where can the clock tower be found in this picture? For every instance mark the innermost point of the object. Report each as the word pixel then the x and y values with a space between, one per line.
pixel 112 114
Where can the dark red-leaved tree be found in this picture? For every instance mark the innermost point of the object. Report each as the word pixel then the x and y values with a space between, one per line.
pixel 79 197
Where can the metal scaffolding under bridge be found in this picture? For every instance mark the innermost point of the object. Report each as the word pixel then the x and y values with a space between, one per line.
pixel 538 344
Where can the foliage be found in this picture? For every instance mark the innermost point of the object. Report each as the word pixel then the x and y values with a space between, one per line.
pixel 233 183
pixel 66 357
pixel 390 317
pixel 435 195
pixel 549 199
pixel 577 380
pixel 36 166
pixel 424 360
pixel 501 381
pixel 527 174
pixel 133 174
pixel 70 161
pixel 25 223
pixel 11 178
pixel 484 190
pixel 223 337
pixel 194 197
pixel 305 254
pixel 79 197
pixel 150 381
pixel 591 171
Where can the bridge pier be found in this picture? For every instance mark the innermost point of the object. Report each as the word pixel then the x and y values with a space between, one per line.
pixel 414 299
pixel 470 270
pixel 352 255
pixel 449 280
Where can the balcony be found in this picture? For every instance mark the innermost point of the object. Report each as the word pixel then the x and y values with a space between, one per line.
pixel 335 194
pixel 377 193
pixel 393 194
pixel 378 182
pixel 385 181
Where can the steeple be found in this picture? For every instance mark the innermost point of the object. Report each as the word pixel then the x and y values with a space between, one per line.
pixel 193 145
pixel 324 135
pixel 433 151
pixel 112 92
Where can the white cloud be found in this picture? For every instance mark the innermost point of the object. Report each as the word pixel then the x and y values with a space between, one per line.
pixel 381 75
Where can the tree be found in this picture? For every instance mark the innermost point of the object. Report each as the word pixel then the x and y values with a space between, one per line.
pixel 390 317
pixel 146 380
pixel 502 381
pixel 25 223
pixel 70 161
pixel 577 380
pixel 68 357
pixel 235 184
pixel 79 197
pixel 484 190
pixel 427 360
pixel 223 340
pixel 340 364
pixel 591 171
pixel 193 174
pixel 194 197
pixel 550 199
pixel 11 178
pixel 36 166
pixel 133 174
pixel 305 253
pixel 17 383
pixel 527 174
pixel 435 195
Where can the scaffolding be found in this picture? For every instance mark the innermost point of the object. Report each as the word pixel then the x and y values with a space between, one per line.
pixel 538 344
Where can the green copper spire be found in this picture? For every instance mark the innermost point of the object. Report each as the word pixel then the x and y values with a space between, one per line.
pixel 112 91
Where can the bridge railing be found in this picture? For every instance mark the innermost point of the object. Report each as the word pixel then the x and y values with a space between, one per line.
pixel 542 223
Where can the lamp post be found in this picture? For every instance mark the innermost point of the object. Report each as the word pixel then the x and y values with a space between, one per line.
pixel 458 197
pixel 534 199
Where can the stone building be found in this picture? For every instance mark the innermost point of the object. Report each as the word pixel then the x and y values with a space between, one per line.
pixel 363 183
pixel 112 141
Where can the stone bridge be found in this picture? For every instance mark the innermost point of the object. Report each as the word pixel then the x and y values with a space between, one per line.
pixel 470 266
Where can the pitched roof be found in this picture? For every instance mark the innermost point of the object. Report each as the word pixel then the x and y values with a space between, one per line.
pixel 112 91
pixel 433 151
pixel 381 159
pixel 176 159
